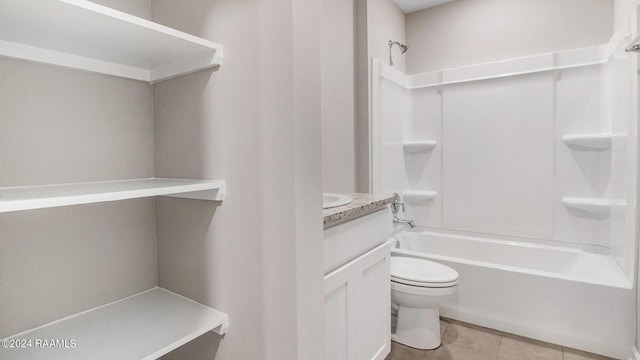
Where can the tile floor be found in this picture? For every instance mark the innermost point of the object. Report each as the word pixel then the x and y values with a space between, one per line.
pixel 461 341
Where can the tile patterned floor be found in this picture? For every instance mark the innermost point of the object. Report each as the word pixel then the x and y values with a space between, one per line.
pixel 461 341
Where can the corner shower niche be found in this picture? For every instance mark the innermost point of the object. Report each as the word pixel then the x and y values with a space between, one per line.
pixel 588 142
pixel 419 147
pixel 81 35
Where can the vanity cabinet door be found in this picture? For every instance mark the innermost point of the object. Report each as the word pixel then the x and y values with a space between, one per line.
pixel 357 308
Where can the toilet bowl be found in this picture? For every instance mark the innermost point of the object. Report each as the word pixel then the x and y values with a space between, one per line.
pixel 418 288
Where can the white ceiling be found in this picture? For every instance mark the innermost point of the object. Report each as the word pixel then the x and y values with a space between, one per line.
pixel 409 6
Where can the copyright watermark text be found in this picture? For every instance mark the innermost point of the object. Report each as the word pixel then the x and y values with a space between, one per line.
pixel 15 343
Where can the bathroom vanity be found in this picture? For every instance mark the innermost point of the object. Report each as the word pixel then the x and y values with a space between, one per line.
pixel 357 285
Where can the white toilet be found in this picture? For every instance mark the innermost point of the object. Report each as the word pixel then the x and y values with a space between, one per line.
pixel 418 288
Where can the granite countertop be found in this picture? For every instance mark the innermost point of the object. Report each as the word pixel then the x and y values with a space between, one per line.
pixel 361 205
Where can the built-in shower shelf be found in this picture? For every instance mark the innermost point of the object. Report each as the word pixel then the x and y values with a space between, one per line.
pixel 589 205
pixel 419 147
pixel 145 326
pixel 82 35
pixel 48 196
pixel 596 142
pixel 412 196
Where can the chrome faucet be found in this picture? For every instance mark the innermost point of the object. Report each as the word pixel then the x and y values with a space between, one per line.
pixel 396 206
pixel 397 220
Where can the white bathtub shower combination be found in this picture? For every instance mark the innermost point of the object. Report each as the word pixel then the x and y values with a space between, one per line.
pixel 520 176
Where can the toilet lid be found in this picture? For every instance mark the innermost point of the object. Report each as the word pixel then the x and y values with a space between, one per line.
pixel 414 270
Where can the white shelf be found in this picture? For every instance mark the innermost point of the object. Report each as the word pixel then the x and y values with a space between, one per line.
pixel 411 196
pixel 86 36
pixel 589 205
pixel 144 326
pixel 41 197
pixel 594 142
pixel 419 147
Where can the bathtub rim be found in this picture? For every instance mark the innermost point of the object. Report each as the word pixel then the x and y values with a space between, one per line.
pixel 504 239
pixel 622 281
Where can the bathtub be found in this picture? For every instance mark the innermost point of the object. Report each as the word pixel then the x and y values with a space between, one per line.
pixel 556 294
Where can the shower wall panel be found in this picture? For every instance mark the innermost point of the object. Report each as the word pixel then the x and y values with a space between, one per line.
pixel 623 94
pixel 497 167
pixel 424 170
pixel 393 110
pixel 500 167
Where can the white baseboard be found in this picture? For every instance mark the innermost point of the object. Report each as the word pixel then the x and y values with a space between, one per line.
pixel 635 355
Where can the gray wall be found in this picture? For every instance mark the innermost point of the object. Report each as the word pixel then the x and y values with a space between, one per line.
pixel 377 22
pixel 467 32
pixel 61 126
pixel 338 96
pixel 352 32
pixel 256 124
pixel 361 127
pixel 385 22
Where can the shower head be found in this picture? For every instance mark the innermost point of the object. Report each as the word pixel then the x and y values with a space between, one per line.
pixel 403 49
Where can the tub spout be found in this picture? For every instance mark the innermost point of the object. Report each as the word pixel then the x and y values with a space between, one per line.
pixel 397 220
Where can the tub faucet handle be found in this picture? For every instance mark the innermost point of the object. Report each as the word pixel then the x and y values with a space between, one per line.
pixel 396 205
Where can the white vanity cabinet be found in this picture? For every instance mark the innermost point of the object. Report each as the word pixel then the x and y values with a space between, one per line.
pixel 357 290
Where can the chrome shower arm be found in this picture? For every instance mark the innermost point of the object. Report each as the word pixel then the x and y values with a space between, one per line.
pixel 390 46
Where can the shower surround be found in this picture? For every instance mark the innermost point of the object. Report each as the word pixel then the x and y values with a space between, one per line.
pixel 526 153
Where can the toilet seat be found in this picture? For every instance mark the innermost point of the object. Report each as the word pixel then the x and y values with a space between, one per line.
pixel 422 273
pixel 424 284
pixel 430 292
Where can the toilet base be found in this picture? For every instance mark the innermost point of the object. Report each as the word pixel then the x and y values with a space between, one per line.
pixel 418 328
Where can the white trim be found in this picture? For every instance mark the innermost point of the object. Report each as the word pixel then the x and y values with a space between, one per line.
pixel 560 60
